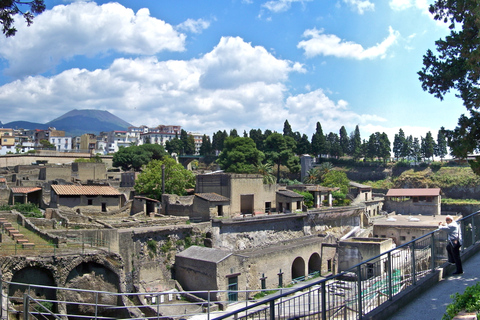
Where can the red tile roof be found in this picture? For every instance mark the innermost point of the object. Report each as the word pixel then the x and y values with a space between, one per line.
pixel 419 192
pixel 69 190
pixel 25 189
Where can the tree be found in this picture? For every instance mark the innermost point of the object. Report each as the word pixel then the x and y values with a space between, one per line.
pixel 47 144
pixel 383 147
pixel 174 146
pixel 188 142
pixel 415 152
pixel 441 149
pixel 372 147
pixel 303 145
pixel 240 155
pixel 457 67
pixel 219 140
pixel 428 146
pixel 398 142
pixel 279 150
pixel 333 145
pixel 336 179
pixel 344 140
pixel 177 179
pixel 234 133
pixel 206 147
pixel 9 8
pixel 318 141
pixel 266 170
pixel 257 137
pixel 135 157
pixel 287 129
pixel 356 144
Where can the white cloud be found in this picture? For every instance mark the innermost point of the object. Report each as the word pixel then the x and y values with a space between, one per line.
pixel 331 45
pixel 361 5
pixel 236 85
pixel 281 5
pixel 194 26
pixel 400 5
pixel 84 28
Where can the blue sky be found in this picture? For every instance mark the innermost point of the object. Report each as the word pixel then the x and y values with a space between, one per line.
pixel 217 65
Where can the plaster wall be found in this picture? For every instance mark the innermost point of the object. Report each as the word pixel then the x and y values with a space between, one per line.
pixel 356 250
pixel 401 234
pixel 410 207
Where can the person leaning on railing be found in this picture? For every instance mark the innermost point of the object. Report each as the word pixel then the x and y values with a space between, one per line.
pixel 454 239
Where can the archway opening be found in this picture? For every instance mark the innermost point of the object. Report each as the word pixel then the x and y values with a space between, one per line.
pixel 314 264
pixel 298 269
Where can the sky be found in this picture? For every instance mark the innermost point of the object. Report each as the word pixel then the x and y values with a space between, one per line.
pixel 211 65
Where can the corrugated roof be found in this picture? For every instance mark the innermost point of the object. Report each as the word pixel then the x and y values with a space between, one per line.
pixel 290 194
pixel 69 190
pixel 359 185
pixel 212 196
pixel 418 192
pixel 204 254
pixel 25 189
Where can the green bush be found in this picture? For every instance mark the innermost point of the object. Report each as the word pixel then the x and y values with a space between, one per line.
pixel 307 197
pixel 29 210
pixel 468 301
pixel 152 245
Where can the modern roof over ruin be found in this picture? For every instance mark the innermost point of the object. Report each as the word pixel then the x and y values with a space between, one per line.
pixel 25 190
pixel 70 190
pixel 289 194
pixel 212 197
pixel 418 192
pixel 204 254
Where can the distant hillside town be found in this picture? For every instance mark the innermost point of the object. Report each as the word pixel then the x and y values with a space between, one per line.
pixel 28 140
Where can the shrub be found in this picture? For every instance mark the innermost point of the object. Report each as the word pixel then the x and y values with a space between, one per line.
pixel 468 301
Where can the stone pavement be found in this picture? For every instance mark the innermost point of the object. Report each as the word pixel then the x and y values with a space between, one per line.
pixel 431 305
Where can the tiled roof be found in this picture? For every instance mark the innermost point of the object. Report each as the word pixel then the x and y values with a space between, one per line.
pixel 289 194
pixel 69 190
pixel 213 197
pixel 3 180
pixel 25 189
pixel 419 192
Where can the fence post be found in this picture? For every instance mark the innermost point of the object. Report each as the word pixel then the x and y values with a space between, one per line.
pixel 208 305
pixel 26 303
pixel 272 310
pixel 389 267
pixel 473 231
pixel 414 276
pixel 324 300
pixel 1 296
pixel 359 285
pixel 432 253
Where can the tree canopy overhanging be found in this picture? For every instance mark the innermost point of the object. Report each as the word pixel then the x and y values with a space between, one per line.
pixel 10 8
pixel 457 67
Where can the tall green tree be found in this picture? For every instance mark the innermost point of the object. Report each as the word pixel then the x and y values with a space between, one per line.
pixel 456 67
pixel 318 141
pixel 287 129
pixel 416 150
pixel 234 133
pixel 428 146
pixel 333 146
pixel 336 179
pixel 219 140
pixel 441 149
pixel 279 150
pixel 188 142
pixel 384 147
pixel 356 144
pixel 177 179
pixel 206 147
pixel 303 145
pixel 174 146
pixel 10 8
pixel 240 155
pixel 372 147
pixel 344 140
pixel 398 142
pixel 258 137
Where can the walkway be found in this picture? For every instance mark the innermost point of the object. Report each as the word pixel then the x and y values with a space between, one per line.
pixel 432 304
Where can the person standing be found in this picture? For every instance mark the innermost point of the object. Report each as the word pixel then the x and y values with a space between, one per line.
pixel 454 239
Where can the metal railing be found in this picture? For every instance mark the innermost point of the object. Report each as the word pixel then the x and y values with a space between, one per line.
pixel 348 295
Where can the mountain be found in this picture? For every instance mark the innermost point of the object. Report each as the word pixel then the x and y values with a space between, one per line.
pixel 78 122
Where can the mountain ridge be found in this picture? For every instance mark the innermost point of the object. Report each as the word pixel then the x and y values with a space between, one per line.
pixel 77 122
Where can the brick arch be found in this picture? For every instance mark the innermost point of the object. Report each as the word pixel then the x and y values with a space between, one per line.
pixel 314 263
pixel 102 261
pixel 33 275
pixel 298 268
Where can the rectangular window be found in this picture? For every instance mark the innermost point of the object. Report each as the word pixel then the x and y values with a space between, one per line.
pixel 233 289
pixel 90 202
